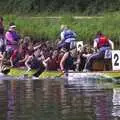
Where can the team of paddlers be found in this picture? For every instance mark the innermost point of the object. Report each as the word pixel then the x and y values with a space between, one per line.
pixel 44 55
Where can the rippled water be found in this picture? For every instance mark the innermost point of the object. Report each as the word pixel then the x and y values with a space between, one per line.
pixel 87 99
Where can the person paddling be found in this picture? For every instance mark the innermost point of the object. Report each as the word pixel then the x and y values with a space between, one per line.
pixel 102 44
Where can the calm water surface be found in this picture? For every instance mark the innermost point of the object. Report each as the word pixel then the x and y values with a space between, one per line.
pixel 56 100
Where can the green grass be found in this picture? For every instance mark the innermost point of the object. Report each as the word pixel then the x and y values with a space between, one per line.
pixel 113 74
pixel 49 28
pixel 52 74
pixel 16 72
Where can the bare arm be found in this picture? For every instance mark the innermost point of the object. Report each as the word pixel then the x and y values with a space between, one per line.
pixel 95 44
pixel 36 47
pixel 62 36
pixel 46 60
pixel 111 44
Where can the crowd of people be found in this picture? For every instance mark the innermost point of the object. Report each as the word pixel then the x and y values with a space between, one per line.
pixel 44 55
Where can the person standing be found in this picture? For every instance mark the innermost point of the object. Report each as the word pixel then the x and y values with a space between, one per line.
pixel 67 38
pixel 12 39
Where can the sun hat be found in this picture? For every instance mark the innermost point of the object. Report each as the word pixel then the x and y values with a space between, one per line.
pixel 13 26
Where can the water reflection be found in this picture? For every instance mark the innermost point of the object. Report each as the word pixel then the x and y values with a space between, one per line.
pixel 52 100
pixel 116 102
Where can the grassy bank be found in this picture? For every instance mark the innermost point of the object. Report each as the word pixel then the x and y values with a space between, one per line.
pixel 48 28
pixel 15 72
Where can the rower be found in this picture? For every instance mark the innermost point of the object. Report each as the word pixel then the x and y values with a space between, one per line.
pixel 101 44
pixel 12 39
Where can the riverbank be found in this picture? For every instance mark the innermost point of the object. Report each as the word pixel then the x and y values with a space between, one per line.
pixel 48 28
pixel 17 72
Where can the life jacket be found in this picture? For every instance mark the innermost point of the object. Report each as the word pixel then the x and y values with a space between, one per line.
pixel 15 37
pixel 69 34
pixel 103 42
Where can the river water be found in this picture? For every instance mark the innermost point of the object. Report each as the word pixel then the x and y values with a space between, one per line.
pixel 88 99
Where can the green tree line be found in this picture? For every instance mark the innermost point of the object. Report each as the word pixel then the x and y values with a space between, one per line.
pixel 80 6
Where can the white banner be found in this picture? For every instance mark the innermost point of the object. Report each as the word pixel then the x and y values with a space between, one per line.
pixel 116 59
pixel 79 45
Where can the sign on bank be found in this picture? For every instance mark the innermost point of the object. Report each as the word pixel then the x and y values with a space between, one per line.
pixel 116 59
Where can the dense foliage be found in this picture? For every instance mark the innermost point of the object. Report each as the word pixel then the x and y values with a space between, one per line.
pixel 16 72
pixel 48 29
pixel 79 6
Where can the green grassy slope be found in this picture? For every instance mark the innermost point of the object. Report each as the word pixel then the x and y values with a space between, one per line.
pixel 52 74
pixel 47 74
pixel 48 28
